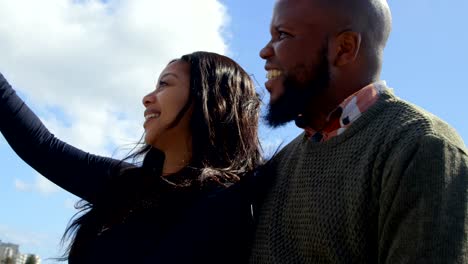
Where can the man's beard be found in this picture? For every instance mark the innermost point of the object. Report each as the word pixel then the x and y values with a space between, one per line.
pixel 298 93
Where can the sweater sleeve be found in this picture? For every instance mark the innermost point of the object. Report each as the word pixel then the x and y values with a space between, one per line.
pixel 74 170
pixel 423 214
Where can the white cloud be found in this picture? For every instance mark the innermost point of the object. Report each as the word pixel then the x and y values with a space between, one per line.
pixel 21 185
pixel 94 61
pixel 22 238
pixel 40 185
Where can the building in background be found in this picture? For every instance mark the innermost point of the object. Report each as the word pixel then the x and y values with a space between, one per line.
pixel 10 254
pixel 21 258
pixel 27 259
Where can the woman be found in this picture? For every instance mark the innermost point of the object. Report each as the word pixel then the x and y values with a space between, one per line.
pixel 182 204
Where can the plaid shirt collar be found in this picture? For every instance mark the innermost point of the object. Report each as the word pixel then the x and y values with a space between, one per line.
pixel 347 112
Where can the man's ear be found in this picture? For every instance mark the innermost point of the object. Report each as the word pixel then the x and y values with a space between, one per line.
pixel 345 48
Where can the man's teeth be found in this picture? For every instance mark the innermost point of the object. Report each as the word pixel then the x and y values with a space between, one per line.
pixel 152 116
pixel 272 74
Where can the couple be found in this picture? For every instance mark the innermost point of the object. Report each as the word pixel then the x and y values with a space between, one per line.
pixel 373 179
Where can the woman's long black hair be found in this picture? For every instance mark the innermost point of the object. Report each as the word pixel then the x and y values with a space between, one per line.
pixel 225 146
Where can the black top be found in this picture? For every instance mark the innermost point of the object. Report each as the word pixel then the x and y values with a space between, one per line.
pixel 211 226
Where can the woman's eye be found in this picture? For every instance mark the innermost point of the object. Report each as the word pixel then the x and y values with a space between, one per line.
pixel 161 86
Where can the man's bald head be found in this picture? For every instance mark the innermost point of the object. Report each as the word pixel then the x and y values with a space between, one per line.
pixel 371 18
pixel 321 52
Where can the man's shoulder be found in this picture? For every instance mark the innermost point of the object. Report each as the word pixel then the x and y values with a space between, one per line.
pixel 410 120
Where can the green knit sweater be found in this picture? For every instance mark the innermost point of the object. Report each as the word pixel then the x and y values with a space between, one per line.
pixel 391 189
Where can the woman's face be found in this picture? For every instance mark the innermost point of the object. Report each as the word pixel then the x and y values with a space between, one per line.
pixel 165 103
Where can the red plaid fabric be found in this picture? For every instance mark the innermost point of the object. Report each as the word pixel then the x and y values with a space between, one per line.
pixel 347 112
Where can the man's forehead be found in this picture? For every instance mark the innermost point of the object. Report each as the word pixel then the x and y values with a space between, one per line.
pixel 305 8
pixel 304 11
pixel 302 3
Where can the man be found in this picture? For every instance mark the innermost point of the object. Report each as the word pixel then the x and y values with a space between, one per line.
pixel 373 179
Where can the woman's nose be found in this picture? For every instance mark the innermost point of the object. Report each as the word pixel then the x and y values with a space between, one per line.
pixel 149 99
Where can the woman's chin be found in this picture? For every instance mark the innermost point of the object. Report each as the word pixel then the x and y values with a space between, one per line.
pixel 151 140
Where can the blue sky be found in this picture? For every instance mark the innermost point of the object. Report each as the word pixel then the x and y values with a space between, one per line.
pixel 425 62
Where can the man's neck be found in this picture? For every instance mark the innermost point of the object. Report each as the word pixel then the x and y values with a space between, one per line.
pixel 319 109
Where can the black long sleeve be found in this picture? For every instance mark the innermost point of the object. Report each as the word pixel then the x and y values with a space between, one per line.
pixel 78 172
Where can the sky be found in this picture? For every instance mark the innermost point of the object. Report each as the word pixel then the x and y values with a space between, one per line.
pixel 83 67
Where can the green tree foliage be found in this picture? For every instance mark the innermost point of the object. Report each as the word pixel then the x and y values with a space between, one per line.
pixel 31 259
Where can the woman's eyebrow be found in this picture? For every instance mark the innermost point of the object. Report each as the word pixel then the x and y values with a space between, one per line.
pixel 169 73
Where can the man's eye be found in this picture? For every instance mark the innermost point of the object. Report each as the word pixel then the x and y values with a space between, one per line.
pixel 283 35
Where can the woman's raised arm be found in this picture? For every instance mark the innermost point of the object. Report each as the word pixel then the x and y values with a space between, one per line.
pixel 76 171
